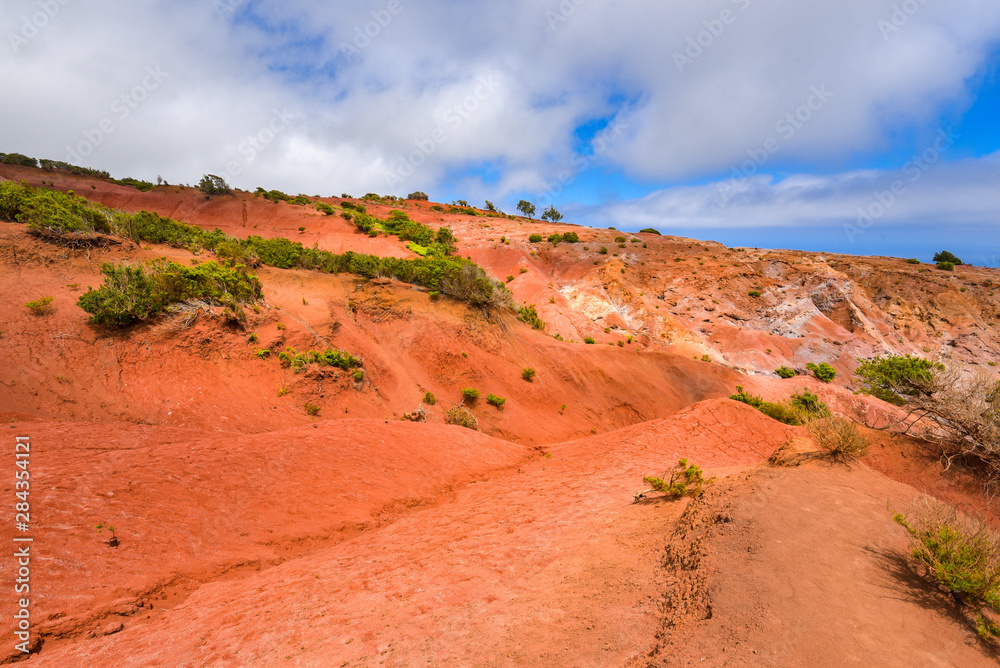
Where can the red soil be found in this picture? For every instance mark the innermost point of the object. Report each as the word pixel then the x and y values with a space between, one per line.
pixel 254 534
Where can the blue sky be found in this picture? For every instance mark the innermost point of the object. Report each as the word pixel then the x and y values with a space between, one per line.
pixel 847 126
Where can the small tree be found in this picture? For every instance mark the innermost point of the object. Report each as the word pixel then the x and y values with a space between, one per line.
pixel 947 256
pixel 490 206
pixel 420 195
pixel 823 371
pixel 213 185
pixel 552 214
pixel 682 480
pixel 526 207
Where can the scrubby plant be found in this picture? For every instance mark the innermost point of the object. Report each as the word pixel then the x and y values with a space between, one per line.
pixel 785 372
pixel 429 398
pixel 603 250
pixel 418 195
pixel 311 409
pixel 947 256
pixel 113 538
pixel 798 410
pixel 650 230
pixel 961 555
pixel 589 340
pixel 262 353
pixel 213 185
pixel 754 293
pixel 706 358
pixel 529 314
pixel 40 306
pixel 823 371
pixel 535 238
pixel 358 375
pixel 325 208
pixel 895 378
pixel 946 266
pixel 470 393
pixel 620 240
pixel 682 480
pixel 913 260
pixel 461 416
pixel 495 400
pixel 552 214
pixel 839 437
pixel 510 277
pixel 528 373
pixel 297 361
pixel 281 326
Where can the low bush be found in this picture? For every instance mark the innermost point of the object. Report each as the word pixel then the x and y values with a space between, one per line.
pixel 946 266
pixel 682 480
pixel 823 371
pixel 947 256
pixel 913 260
pixel 40 306
pixel 329 357
pixel 495 400
pixel 839 437
pixel 325 208
pixel 589 340
pixel 535 238
pixel 962 555
pixel 528 373
pixel 895 378
pixel 650 230
pixel 470 393
pixel 131 293
pixel 603 250
pixel 429 397
pixel 620 240
pixel 798 410
pixel 418 195
pixel 529 315
pixel 461 416
pixel 785 372
pixel 754 293
pixel 18 159
pixel 311 409
pixel 213 185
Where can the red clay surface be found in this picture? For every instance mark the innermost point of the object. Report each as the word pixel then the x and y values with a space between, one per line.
pixel 253 534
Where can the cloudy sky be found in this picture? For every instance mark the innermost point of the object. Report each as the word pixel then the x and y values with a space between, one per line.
pixel 859 126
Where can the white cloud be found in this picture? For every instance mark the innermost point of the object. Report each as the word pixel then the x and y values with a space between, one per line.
pixel 359 116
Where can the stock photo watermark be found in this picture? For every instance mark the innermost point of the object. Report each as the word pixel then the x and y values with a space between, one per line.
pixel 566 9
pixel 787 126
pixel 22 544
pixel 915 168
pixel 714 29
pixel 901 15
pixel 226 8
pixel 454 118
pixel 32 24
pixel 121 109
pixel 599 146
pixel 365 34
pixel 251 145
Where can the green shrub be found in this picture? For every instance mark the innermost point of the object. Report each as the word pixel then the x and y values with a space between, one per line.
pixel 19 159
pixel 946 266
pixel 754 293
pixel 603 250
pixel 528 373
pixel 554 239
pixel 213 185
pixel 946 256
pixel 683 480
pixel 494 400
pixel 785 372
pixel 800 409
pixel 913 260
pixel 262 353
pixel 529 315
pixel 650 230
pixel 418 195
pixel 40 306
pixel 429 397
pixel 823 371
pixel 325 208
pixel 510 277
pixel 620 240
pixel 142 186
pixel 535 238
pixel 895 378
pixel 330 357
pixel 589 340
pixel 311 409
pixel 130 294
pixel 358 375
pixel 962 555
pixel 470 393
pixel 571 237
pixel 437 207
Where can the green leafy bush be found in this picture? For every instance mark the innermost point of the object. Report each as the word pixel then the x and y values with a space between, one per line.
pixel 418 195
pixel 528 373
pixel 535 238
pixel 311 409
pixel 913 260
pixel 494 400
pixel 529 315
pixel 429 397
pixel 650 230
pixel 40 306
pixel 603 250
pixel 552 214
pixel 131 294
pixel 754 293
pixel 683 480
pixel 839 437
pixel 330 357
pixel 18 159
pixel 800 409
pixel 470 393
pixel 213 185
pixel 947 256
pixel 589 340
pixel 962 555
pixel 946 266
pixel 785 372
pixel 823 371
pixel 895 378
pixel 143 186
pixel 325 208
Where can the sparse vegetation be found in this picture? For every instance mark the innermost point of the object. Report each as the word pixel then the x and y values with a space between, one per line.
pixel 429 398
pixel 470 393
pixel 113 538
pixel 754 293
pixel 650 230
pixel 840 437
pixel 330 357
pixel 962 556
pixel 947 256
pixel 212 185
pixel 528 373
pixel 798 410
pixel 40 306
pixel 913 260
pixel 495 400
pixel 589 340
pixel 461 416
pixel 418 195
pixel 785 372
pixel 528 314
pixel 823 371
pixel 682 480
pixel 535 238
pixel 946 266
pixel 311 409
